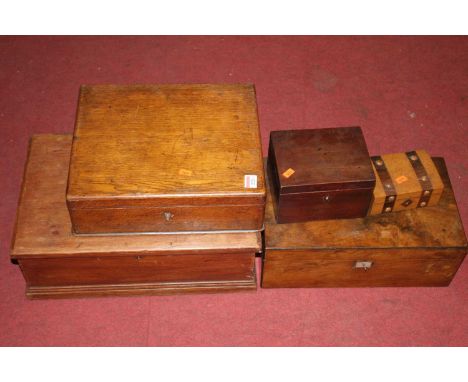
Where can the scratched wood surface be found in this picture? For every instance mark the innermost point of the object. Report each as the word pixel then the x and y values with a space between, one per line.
pixel 165 145
pixel 43 227
pixel 136 141
pixel 320 174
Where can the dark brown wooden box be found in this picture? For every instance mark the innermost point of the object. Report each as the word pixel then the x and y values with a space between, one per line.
pixel 418 247
pixel 320 174
pixel 55 263
pixel 166 158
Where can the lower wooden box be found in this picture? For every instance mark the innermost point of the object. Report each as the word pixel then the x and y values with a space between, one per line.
pixel 419 247
pixel 55 263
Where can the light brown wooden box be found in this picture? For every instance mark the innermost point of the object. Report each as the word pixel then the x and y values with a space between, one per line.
pixel 405 181
pixel 55 263
pixel 417 247
pixel 166 158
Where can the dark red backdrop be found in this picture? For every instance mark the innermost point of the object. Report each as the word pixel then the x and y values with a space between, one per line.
pixel 406 93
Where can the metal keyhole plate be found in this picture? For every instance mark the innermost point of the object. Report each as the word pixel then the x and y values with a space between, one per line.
pixel 365 265
pixel 168 216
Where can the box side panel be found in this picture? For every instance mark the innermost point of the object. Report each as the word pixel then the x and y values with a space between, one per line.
pixel 173 219
pixel 360 268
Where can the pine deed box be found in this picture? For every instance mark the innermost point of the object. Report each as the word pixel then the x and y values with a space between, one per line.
pixel 414 247
pixel 166 158
pixel 320 174
pixel 55 263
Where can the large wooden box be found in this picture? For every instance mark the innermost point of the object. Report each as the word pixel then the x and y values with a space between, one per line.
pixel 405 181
pixel 166 158
pixel 418 247
pixel 320 174
pixel 55 263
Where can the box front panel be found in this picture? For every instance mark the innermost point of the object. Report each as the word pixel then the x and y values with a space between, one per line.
pixel 105 270
pixel 345 204
pixel 170 219
pixel 360 268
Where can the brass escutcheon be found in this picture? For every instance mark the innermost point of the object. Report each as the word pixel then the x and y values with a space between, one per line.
pixel 168 216
pixel 363 265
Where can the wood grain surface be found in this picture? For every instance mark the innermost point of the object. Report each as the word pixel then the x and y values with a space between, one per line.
pixel 165 145
pixel 419 247
pixel 56 263
pixel 320 174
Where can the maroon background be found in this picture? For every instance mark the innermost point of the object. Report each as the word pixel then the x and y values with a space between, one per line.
pixel 405 92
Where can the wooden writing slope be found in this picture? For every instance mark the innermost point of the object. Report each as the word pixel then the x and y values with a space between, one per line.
pixel 418 247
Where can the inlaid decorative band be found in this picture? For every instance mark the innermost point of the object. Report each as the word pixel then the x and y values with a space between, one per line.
pixel 423 178
pixel 386 179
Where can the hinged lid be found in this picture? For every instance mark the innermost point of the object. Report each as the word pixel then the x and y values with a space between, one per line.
pixel 321 160
pixel 157 145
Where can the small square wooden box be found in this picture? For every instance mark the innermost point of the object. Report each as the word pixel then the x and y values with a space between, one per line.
pixel 405 181
pixel 417 247
pixel 55 263
pixel 166 158
pixel 320 174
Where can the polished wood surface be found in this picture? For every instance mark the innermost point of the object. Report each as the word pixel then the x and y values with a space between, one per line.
pixel 418 247
pixel 322 159
pixel 407 186
pixel 57 263
pixel 155 146
pixel 320 174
